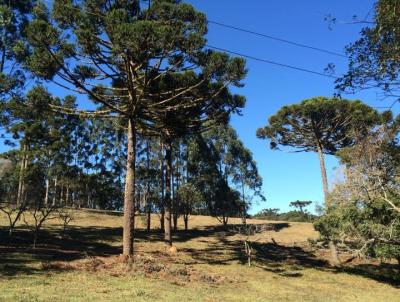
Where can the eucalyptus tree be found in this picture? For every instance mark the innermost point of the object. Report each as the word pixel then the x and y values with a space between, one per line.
pixel 125 58
pixel 319 125
pixel 188 121
pixel 236 165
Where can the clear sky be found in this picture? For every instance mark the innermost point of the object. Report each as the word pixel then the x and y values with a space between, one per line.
pixel 287 176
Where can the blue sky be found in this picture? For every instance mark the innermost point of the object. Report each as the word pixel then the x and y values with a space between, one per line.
pixel 287 176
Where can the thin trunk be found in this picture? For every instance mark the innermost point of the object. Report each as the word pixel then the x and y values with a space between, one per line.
pixel 162 209
pixel 62 195
pixel 129 198
pixel 323 173
pixel 175 221
pixel 148 218
pixel 148 205
pixel 67 196
pixel 243 204
pixel 332 245
pixel 22 170
pixel 46 196
pixel 167 203
pixel 55 191
pixel 186 221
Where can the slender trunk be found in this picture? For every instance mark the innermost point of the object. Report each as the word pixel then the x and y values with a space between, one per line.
pixel 46 196
pixel 62 195
pixel 186 221
pixel 22 170
pixel 323 173
pixel 162 209
pixel 243 204
pixel 167 203
pixel 55 191
pixel 148 205
pixel 35 237
pixel 175 220
pixel 174 214
pixel 129 198
pixel 162 219
pixel 73 198
pixel 148 218
pixel 332 245
pixel 67 196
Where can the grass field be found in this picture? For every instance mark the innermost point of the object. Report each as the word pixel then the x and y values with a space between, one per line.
pixel 209 265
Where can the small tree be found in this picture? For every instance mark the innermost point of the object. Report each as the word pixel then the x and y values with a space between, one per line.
pixel 39 213
pixel 189 196
pixel 298 204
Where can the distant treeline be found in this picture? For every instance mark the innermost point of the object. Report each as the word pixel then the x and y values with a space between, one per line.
pixel 293 216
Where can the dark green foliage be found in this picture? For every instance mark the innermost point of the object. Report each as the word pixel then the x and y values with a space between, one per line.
pixel 330 123
pixel 14 17
pixel 293 216
pixel 364 208
pixel 374 58
pixel 371 229
pixel 299 204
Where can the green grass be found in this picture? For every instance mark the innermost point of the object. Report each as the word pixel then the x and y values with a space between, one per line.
pixel 209 266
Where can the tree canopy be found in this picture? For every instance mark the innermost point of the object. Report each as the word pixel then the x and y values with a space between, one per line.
pixel 374 58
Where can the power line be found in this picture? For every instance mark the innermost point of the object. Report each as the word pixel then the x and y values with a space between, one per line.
pixel 273 62
pixel 278 39
pixel 277 63
pixel 291 67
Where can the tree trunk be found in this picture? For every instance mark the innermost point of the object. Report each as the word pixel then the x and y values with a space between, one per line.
pixel 335 261
pixel 225 220
pixel 168 203
pixel 186 221
pixel 21 185
pixel 46 196
pixel 175 220
pixel 323 173
pixel 55 191
pixel 148 204
pixel 148 218
pixel 332 245
pixel 244 212
pixel 129 197
pixel 162 209
pixel 67 196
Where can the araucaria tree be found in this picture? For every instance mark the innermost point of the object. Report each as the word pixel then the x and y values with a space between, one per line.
pixel 319 125
pixel 13 23
pixel 136 63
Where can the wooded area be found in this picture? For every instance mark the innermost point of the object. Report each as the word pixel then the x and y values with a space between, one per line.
pixel 120 105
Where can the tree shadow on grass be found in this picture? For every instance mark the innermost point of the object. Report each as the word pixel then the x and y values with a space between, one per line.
pixel 283 260
pixel 18 257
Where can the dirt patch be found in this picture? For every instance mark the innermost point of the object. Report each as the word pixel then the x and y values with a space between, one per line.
pixel 162 267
